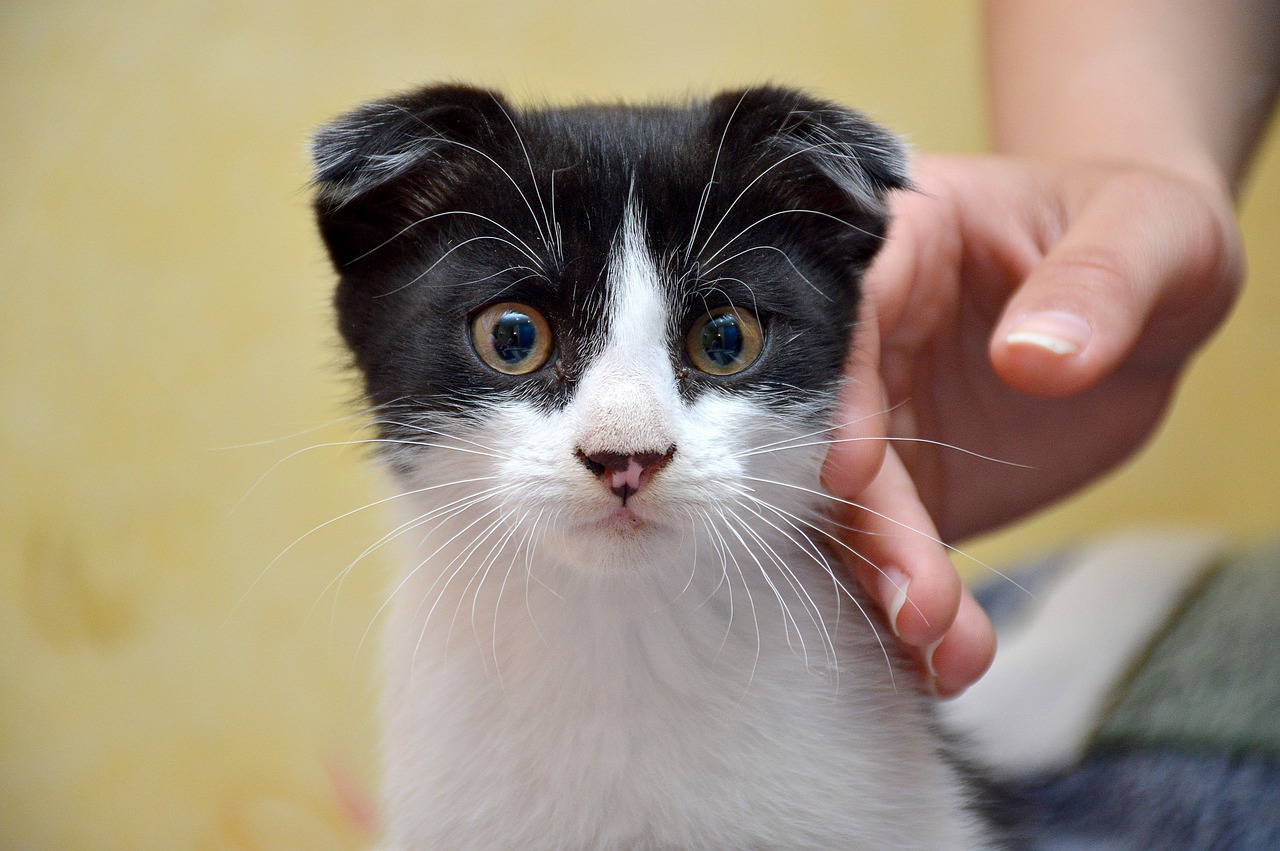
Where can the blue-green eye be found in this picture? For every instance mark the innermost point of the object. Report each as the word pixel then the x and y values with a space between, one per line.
pixel 512 338
pixel 724 341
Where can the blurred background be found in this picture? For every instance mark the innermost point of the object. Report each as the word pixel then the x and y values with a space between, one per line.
pixel 176 672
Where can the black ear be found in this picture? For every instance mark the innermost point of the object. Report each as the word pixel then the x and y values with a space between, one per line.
pixel 805 143
pixel 389 163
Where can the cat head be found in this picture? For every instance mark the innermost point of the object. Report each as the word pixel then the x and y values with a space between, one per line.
pixel 617 322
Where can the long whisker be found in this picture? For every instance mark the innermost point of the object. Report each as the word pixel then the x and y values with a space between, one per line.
pixel 787 212
pixel 519 245
pixel 451 571
pixel 706 190
pixel 824 430
pixel 793 580
pixel 533 179
pixel 748 187
pixel 828 441
pixel 485 449
pixel 445 256
pixel 794 519
pixel 713 537
pixel 281 439
pixel 463 560
pixel 711 269
pixel 497 604
pixel 908 527
pixel 411 573
pixel 448 509
pixel 436 137
pixel 797 588
pixel 808 547
pixel 787 617
pixel 726 555
pixel 343 516
pixel 364 441
pixel 297 452
pixel 479 577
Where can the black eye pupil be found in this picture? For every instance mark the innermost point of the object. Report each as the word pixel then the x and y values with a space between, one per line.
pixel 514 336
pixel 721 340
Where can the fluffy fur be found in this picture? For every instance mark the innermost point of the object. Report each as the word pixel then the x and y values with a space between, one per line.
pixel 679 664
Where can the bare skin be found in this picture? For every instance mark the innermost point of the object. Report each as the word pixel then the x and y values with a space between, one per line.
pixel 1039 305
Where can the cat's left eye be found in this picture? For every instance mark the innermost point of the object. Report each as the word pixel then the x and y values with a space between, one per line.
pixel 724 341
pixel 512 338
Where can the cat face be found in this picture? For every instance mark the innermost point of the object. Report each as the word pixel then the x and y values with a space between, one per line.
pixel 608 326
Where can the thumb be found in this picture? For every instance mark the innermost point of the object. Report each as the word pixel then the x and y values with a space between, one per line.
pixel 1142 252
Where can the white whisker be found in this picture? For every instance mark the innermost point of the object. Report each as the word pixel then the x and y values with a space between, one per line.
pixel 797 587
pixel 807 602
pixel 411 573
pixel 726 555
pixel 533 180
pixel 793 518
pixel 479 577
pixel 895 522
pixel 331 521
pixel 462 560
pixel 445 256
pixel 783 446
pixel 706 190
pixel 747 188
pixel 519 245
pixel 445 511
pixel 711 269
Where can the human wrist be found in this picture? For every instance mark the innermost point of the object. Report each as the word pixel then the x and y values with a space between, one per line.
pixel 1181 88
pixel 1190 164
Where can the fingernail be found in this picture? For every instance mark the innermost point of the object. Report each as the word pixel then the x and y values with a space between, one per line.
pixel 893 587
pixel 1061 333
pixel 928 659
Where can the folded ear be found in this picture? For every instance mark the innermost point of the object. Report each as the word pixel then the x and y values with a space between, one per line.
pixel 830 154
pixel 389 163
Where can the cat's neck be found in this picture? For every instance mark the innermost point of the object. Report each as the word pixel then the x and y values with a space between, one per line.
pixel 649 697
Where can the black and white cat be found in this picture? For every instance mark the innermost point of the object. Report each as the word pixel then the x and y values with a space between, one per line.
pixel 603 346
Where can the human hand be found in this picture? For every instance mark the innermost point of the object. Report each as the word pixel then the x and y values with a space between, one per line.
pixel 1035 313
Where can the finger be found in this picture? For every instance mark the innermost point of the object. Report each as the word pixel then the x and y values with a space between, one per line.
pixel 895 554
pixel 889 282
pixel 1081 311
pixel 965 652
pixel 857 444
pixel 914 271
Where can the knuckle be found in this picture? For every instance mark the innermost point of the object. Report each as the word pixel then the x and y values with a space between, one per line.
pixel 1097 268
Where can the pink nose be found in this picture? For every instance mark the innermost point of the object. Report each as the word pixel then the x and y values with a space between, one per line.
pixel 626 473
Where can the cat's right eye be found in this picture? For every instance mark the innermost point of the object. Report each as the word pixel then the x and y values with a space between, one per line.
pixel 724 341
pixel 512 338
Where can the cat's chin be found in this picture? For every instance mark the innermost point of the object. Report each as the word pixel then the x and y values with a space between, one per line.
pixel 620 538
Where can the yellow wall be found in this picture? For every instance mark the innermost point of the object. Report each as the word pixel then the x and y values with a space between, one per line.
pixel 163 683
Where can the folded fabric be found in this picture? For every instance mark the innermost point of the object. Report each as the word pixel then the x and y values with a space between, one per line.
pixel 1135 699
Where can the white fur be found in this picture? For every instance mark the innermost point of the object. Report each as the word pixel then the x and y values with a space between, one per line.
pixel 561 677
pixel 626 402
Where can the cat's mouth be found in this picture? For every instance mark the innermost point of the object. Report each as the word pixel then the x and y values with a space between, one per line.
pixel 625 520
pixel 616 536
pixel 620 521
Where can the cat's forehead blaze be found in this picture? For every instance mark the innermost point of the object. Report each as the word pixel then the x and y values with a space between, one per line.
pixel 621 226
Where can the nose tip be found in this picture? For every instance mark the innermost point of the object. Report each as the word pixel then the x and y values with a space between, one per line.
pixel 626 472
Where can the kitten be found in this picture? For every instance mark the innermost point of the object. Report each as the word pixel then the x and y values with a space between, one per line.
pixel 603 345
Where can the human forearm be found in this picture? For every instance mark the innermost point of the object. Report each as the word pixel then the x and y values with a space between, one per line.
pixel 1181 85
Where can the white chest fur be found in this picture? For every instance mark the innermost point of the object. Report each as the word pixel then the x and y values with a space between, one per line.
pixel 639 714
